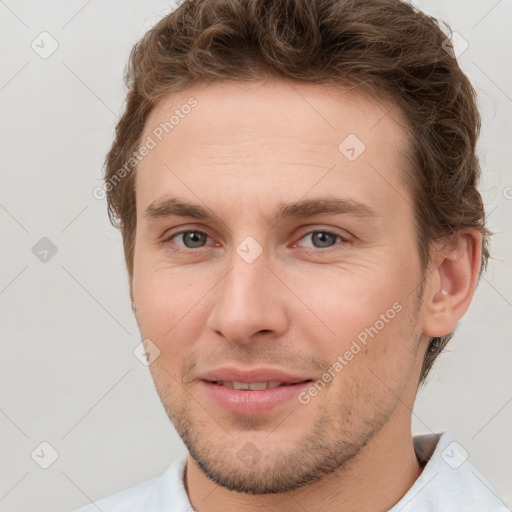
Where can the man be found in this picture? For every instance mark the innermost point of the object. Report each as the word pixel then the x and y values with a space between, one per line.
pixel 296 185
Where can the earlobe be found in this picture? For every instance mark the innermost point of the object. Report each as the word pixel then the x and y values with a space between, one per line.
pixel 452 284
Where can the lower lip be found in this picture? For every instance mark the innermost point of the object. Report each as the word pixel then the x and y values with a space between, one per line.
pixel 252 402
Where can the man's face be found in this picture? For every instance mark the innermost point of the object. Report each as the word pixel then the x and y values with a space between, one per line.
pixel 326 303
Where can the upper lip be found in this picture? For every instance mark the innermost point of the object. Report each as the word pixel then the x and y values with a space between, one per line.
pixel 251 375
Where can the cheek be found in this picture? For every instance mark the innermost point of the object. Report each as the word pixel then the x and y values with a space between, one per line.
pixel 169 306
pixel 349 300
pixel 366 316
pixel 371 367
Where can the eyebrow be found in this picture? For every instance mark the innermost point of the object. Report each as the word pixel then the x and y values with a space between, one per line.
pixel 173 206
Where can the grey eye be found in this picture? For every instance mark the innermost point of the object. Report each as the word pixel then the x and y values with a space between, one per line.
pixel 322 239
pixel 193 239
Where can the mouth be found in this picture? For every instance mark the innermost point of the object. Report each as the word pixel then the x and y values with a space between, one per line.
pixel 252 398
pixel 255 386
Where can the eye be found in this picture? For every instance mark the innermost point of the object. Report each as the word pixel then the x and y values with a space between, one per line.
pixel 191 239
pixel 322 239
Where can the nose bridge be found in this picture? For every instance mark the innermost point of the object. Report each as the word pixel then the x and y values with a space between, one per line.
pixel 247 299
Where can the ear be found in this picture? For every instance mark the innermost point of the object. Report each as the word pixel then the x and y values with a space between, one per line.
pixel 451 283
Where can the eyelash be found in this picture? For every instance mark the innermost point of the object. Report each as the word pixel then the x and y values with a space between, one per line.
pixel 199 249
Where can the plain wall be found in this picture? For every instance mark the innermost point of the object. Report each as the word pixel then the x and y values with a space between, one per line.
pixel 68 373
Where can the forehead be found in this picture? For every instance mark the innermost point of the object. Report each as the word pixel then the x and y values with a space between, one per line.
pixel 273 105
pixel 277 136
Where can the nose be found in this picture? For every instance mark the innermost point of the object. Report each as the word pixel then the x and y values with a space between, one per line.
pixel 250 302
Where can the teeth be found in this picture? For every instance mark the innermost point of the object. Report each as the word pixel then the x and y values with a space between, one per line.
pixel 257 386
pixel 240 385
pixel 253 386
pixel 273 384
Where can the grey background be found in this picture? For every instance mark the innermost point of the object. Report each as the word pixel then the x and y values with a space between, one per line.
pixel 68 373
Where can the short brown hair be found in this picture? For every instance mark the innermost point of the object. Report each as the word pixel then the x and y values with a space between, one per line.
pixel 385 47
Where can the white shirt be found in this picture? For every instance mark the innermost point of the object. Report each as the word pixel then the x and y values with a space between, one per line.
pixel 448 483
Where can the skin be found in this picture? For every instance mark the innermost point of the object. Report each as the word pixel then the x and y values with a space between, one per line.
pixel 244 149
